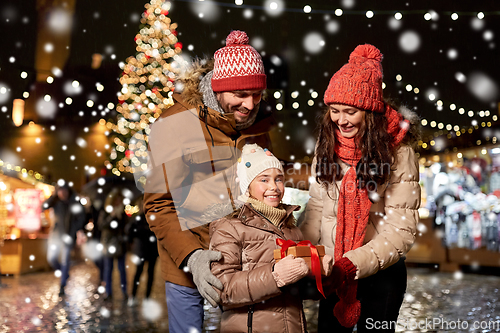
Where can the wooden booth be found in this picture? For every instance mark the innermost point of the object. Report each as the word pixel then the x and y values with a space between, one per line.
pixel 23 226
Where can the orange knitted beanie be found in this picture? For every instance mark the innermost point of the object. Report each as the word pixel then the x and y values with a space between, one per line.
pixel 359 82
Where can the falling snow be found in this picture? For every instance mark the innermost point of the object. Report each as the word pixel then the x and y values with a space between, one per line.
pixel 60 21
pixel 449 61
pixel 313 42
pixel 409 41
pixel 482 86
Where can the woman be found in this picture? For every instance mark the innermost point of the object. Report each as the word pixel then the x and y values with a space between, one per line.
pixel 363 205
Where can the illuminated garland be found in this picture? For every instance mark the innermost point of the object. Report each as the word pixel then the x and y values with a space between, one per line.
pixel 449 130
pixel 26 174
pixel 277 6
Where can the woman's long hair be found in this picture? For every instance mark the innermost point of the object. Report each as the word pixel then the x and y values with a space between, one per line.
pixel 377 153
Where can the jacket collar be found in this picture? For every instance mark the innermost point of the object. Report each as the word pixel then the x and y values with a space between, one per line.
pixel 251 217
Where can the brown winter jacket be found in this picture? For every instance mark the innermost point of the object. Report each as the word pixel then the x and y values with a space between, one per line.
pixel 392 222
pixel 247 241
pixel 194 151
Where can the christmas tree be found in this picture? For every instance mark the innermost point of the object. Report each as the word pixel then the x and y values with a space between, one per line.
pixel 147 86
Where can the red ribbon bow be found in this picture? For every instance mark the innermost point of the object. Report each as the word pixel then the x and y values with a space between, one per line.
pixel 315 263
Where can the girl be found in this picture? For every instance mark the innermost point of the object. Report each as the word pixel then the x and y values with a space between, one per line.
pixel 363 205
pixel 259 295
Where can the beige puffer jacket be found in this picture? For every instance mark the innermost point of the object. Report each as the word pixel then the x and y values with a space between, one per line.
pixel 247 241
pixel 392 221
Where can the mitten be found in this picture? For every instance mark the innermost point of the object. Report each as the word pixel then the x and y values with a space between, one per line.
pixel 199 265
pixel 343 270
pixel 289 270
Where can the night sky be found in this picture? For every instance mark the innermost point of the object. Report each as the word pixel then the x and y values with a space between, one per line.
pixel 449 61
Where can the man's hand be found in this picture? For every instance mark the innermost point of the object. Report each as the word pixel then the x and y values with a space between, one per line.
pixel 199 265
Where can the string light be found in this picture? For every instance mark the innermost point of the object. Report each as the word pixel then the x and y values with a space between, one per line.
pixel 25 174
pixel 452 106
pixel 273 5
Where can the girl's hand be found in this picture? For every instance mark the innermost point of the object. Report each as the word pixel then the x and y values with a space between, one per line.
pixel 289 270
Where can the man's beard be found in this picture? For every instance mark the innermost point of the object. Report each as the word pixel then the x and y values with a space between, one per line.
pixel 251 119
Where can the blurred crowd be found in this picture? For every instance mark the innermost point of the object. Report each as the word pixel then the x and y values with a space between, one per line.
pixel 106 225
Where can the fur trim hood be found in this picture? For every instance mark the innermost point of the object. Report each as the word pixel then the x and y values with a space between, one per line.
pixel 217 211
pixel 190 81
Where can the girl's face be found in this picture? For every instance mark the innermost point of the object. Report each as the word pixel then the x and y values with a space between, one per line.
pixel 348 119
pixel 268 187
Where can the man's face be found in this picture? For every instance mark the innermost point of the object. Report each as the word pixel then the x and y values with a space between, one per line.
pixel 244 104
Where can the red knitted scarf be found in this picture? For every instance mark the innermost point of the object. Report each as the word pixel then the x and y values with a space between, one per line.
pixel 353 210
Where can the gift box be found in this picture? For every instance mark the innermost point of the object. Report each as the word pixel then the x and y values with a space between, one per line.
pixel 303 252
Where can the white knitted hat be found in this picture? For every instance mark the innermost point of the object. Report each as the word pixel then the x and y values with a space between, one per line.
pixel 252 162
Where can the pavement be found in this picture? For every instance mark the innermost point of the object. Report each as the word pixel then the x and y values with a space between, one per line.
pixel 435 302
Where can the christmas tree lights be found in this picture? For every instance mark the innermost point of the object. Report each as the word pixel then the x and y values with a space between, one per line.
pixel 147 87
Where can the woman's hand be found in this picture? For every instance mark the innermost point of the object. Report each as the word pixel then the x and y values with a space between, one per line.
pixel 327 263
pixel 342 271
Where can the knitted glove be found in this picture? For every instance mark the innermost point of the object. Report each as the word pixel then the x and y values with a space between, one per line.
pixel 327 263
pixel 199 264
pixel 343 270
pixel 289 270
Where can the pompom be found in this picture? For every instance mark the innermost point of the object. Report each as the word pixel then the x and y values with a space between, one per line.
pixel 366 51
pixel 247 149
pixel 237 37
pixel 347 313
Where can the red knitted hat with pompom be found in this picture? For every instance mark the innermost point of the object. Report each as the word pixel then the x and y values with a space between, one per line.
pixel 238 66
pixel 359 82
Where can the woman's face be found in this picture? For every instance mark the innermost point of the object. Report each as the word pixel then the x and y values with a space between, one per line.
pixel 348 119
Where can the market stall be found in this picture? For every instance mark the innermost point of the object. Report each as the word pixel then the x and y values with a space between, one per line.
pixel 23 226
pixel 460 214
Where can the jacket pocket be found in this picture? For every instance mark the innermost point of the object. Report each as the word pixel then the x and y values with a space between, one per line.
pixel 204 188
pixel 200 161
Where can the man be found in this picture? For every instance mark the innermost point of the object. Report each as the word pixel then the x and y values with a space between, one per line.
pixel 69 220
pixel 193 151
